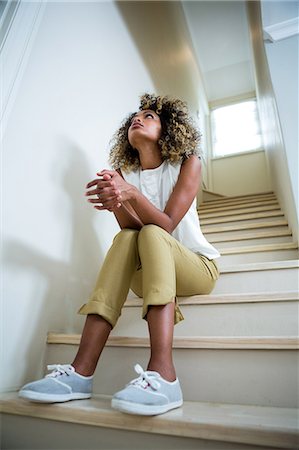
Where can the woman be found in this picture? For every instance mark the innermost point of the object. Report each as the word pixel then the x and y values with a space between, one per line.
pixel 160 253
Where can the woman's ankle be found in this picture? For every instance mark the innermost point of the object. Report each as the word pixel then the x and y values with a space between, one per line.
pixel 166 371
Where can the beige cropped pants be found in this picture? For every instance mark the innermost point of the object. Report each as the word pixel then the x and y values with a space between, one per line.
pixel 155 266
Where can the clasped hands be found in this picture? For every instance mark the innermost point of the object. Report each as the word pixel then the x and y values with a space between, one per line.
pixel 110 190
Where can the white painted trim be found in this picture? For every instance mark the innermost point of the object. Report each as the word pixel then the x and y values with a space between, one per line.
pixel 16 50
pixel 232 155
pixel 231 100
pixel 282 30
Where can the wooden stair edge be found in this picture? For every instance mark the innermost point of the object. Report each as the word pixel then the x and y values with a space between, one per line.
pixel 230 197
pixel 241 217
pixel 274 233
pixel 243 226
pixel 199 342
pixel 260 266
pixel 237 211
pixel 258 248
pixel 255 425
pixel 232 207
pixel 219 203
pixel 220 299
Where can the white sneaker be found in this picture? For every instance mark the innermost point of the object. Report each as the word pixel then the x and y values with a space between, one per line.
pixel 61 385
pixel 149 394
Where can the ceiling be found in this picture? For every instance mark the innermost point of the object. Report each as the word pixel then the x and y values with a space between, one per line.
pixel 219 33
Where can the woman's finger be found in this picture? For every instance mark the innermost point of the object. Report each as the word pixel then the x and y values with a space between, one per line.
pixel 92 183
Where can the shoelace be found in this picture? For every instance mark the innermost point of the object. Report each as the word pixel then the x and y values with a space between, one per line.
pixel 60 369
pixel 145 379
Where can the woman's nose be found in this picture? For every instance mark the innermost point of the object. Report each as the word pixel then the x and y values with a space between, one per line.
pixel 137 120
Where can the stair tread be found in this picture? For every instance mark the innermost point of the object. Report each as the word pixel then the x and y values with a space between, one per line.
pixel 251 236
pixel 243 226
pixel 263 265
pixel 225 298
pixel 244 196
pixel 259 248
pixel 232 206
pixel 238 211
pixel 247 216
pixel 213 421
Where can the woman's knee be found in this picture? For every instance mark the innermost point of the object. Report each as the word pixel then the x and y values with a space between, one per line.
pixel 150 230
pixel 126 234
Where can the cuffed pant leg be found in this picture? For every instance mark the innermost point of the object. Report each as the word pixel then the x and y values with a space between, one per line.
pixel 114 278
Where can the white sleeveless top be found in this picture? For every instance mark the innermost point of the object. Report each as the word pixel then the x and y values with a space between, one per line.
pixel 157 185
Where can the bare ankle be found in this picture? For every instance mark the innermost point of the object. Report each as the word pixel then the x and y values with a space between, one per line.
pixel 166 371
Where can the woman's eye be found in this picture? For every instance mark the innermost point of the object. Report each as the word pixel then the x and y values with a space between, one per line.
pixel 149 115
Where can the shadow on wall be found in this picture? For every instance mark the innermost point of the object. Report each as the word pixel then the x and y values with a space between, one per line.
pixel 54 289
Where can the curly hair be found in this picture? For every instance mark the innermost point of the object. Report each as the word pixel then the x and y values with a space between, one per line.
pixel 179 137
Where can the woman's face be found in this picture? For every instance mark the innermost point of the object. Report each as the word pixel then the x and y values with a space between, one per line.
pixel 145 127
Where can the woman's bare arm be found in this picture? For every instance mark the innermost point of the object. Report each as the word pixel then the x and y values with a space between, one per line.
pixel 178 204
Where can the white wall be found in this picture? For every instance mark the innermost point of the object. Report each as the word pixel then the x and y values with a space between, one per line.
pixel 82 69
pixel 241 174
pixel 82 76
pixel 274 109
pixel 283 60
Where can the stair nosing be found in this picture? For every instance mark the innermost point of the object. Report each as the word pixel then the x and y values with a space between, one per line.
pixel 238 212
pixel 258 195
pixel 250 236
pixel 194 342
pixel 259 248
pixel 241 217
pixel 232 206
pixel 243 226
pixel 220 299
pixel 254 425
pixel 260 266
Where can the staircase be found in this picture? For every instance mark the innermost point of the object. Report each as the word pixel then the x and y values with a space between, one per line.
pixel 235 353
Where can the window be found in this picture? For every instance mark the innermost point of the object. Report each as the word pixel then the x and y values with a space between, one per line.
pixel 235 128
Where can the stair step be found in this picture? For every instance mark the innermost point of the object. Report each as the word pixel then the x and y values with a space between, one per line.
pixel 243 226
pixel 239 211
pixel 204 422
pixel 225 315
pixel 262 256
pixel 259 248
pixel 241 217
pixel 216 342
pixel 252 241
pixel 212 299
pixel 248 197
pixel 233 205
pixel 258 277
pixel 237 236
pixel 257 371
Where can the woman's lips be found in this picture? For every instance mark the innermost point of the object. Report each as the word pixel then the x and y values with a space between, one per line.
pixel 136 125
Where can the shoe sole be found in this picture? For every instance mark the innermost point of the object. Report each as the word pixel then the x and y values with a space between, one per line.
pixel 144 410
pixel 51 398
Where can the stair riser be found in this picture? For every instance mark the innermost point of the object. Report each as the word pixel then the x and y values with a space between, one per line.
pixel 243 319
pixel 38 434
pixel 251 377
pixel 248 242
pixel 257 281
pixel 267 256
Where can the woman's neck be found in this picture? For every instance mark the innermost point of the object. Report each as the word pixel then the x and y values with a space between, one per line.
pixel 150 156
